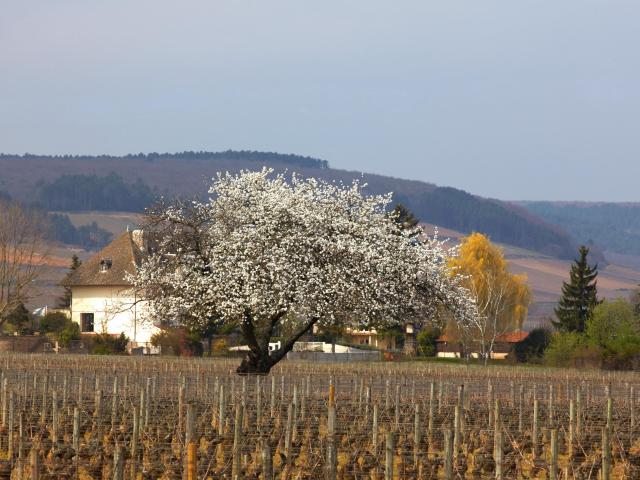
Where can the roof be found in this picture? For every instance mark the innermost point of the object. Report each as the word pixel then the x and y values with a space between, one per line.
pixel 509 337
pixel 512 337
pixel 121 257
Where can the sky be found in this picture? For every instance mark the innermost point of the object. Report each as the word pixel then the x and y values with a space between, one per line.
pixel 523 100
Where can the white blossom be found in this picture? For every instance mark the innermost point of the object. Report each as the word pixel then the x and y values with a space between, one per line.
pixel 268 252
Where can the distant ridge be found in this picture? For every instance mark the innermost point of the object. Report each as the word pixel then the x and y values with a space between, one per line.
pixel 74 177
pixel 249 155
pixel 613 227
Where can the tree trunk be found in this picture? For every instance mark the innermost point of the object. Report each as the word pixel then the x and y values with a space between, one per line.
pixel 254 364
pixel 259 361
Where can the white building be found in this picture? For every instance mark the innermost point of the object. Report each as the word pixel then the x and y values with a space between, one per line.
pixel 103 301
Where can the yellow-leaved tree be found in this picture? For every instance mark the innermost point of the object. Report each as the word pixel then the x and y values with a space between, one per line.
pixel 502 298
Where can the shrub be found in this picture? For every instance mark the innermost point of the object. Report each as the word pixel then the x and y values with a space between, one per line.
pixel 611 340
pixel 427 341
pixel 220 347
pixel 68 335
pixel 106 344
pixel 54 322
pixel 563 349
pixel 178 341
pixel 614 331
pixel 17 320
pixel 58 327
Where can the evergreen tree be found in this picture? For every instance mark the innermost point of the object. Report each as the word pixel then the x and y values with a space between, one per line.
pixel 405 217
pixel 18 318
pixel 579 296
pixel 65 299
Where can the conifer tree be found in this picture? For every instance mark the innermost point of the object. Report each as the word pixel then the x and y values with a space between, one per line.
pixel 65 299
pixel 579 296
pixel 405 218
pixel 18 318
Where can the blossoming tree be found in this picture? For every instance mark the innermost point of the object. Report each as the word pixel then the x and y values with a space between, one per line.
pixel 272 254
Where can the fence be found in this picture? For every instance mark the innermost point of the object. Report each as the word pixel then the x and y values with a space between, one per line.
pixel 342 357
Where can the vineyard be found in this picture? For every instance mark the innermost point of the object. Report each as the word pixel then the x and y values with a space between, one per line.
pixel 156 418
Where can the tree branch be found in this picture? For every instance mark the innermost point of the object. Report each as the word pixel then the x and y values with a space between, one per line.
pixel 288 345
pixel 249 334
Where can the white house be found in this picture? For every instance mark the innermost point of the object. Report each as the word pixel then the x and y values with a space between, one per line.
pixel 103 301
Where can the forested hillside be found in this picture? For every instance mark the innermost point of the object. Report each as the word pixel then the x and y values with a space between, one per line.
pixel 614 227
pixel 505 223
pixel 129 183
pixel 92 192
pixel 58 228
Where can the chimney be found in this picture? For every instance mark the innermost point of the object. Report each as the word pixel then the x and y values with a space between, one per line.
pixel 138 238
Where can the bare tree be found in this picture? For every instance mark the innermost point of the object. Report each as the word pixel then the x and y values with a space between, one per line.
pixel 22 254
pixel 492 321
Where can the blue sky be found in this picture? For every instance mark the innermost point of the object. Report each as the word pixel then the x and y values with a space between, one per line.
pixel 513 100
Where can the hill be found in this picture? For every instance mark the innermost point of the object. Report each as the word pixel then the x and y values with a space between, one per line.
pixel 81 183
pixel 613 227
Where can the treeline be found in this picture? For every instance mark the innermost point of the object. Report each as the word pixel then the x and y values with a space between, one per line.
pixel 258 157
pixel 89 237
pixel 458 210
pixel 614 227
pixel 91 192
pixel 57 227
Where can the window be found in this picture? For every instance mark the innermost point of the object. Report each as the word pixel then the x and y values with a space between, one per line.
pixel 105 265
pixel 86 322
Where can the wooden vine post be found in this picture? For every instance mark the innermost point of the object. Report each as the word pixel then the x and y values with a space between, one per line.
pixel 192 461
pixel 332 461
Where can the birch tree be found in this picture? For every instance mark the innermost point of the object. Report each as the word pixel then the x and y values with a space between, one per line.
pixel 502 298
pixel 270 253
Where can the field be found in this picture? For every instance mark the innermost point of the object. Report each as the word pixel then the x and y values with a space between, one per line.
pixel 127 417
pixel 113 222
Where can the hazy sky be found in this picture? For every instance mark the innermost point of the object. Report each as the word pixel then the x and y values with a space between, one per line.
pixel 510 99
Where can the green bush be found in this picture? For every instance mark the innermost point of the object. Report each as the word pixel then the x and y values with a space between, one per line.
pixel 614 330
pixel 69 334
pixel 563 348
pixel 106 344
pixel 611 340
pixel 17 320
pixel 58 327
pixel 54 322
pixel 427 341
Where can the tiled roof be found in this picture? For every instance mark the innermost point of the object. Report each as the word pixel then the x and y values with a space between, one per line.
pixel 512 337
pixel 121 257
pixel 509 337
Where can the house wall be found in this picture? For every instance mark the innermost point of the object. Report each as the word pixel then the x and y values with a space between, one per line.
pixel 371 339
pixel 115 311
pixel 444 352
